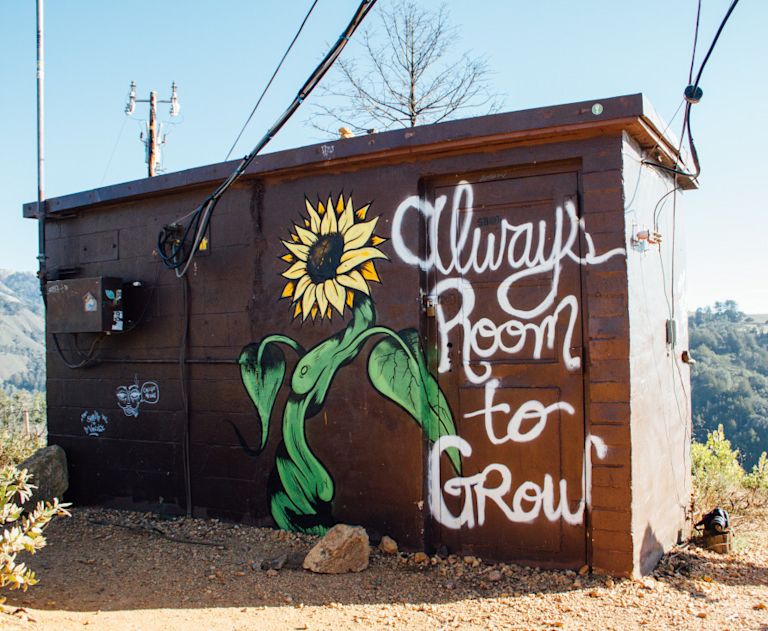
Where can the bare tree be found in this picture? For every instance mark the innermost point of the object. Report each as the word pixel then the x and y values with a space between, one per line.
pixel 406 75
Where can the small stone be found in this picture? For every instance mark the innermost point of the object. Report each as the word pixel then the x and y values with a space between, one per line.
pixel 760 606
pixel 276 563
pixel 609 583
pixel 343 549
pixel 271 573
pixel 48 468
pixel 469 560
pixel 701 614
pixel 583 570
pixel 294 561
pixel 388 545
pixel 420 557
pixel 494 576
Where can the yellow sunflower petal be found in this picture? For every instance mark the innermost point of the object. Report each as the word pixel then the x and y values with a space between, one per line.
pixel 369 272
pixel 297 270
pixel 361 212
pixel 335 294
pixel 297 310
pixel 307 224
pixel 301 286
pixel 377 240
pixel 329 224
pixel 359 234
pixel 353 258
pixel 340 203
pixel 322 301
pixel 288 258
pixel 320 208
pixel 308 301
pixel 314 218
pixel 288 289
pixel 314 312
pixel 346 219
pixel 300 251
pixel 328 313
pixel 350 298
pixel 306 236
pixel 294 238
pixel 353 280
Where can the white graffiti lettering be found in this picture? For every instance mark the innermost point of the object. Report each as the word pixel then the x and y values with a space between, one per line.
pixel 528 501
pixel 523 250
pixel 528 251
pixel 94 423
pixel 530 410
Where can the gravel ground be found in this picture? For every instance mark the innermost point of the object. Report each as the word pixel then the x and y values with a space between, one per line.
pixel 120 570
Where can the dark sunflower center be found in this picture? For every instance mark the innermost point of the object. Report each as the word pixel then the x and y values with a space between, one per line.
pixel 324 257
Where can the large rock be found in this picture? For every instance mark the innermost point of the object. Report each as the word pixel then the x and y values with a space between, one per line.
pixel 343 549
pixel 48 467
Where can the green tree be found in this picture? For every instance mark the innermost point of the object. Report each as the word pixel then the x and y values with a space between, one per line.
pixel 730 379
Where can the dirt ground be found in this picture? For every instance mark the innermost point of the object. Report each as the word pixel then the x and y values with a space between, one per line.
pixel 147 573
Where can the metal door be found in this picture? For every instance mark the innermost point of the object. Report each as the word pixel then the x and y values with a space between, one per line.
pixel 503 290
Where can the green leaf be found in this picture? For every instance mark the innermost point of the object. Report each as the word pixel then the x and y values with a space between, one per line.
pixel 397 368
pixel 262 369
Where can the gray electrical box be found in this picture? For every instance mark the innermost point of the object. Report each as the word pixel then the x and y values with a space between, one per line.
pixel 85 305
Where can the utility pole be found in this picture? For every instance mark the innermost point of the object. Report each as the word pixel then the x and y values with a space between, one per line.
pixel 153 141
pixel 41 256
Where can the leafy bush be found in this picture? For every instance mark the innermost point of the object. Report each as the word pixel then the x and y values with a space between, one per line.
pixel 15 443
pixel 720 480
pixel 21 532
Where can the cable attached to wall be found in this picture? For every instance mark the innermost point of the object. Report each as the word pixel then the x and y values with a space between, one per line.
pixel 173 240
pixel 87 359
pixel 184 381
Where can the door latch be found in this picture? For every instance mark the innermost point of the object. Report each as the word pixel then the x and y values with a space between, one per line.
pixel 430 305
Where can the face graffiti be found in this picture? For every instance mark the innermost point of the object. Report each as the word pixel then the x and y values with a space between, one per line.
pixel 130 398
pixel 521 252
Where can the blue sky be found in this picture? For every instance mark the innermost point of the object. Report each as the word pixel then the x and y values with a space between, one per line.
pixel 221 55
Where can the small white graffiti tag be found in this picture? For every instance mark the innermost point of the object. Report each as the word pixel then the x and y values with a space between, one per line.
pixel 129 398
pixel 94 423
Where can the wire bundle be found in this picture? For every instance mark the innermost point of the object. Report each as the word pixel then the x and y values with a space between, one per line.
pixel 173 242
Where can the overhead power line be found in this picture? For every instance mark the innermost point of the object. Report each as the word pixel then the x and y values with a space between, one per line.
pixel 271 79
pixel 172 241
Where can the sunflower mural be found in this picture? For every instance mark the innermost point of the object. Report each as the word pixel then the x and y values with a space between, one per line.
pixel 331 260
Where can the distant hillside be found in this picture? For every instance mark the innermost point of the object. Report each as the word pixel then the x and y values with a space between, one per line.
pixel 22 337
pixel 730 379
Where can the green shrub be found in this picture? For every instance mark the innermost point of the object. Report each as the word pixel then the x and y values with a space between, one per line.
pixel 16 447
pixel 16 444
pixel 21 532
pixel 720 480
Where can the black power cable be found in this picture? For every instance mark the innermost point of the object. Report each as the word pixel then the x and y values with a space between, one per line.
pixel 693 92
pixel 172 241
pixel 271 79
